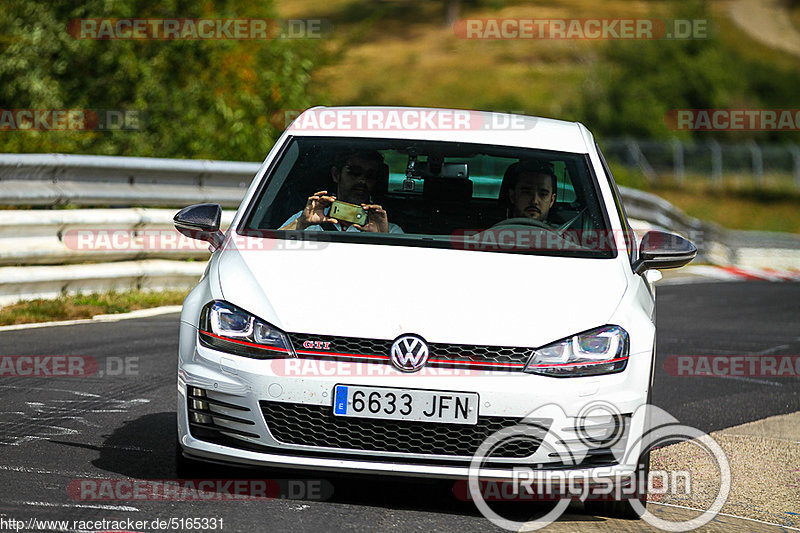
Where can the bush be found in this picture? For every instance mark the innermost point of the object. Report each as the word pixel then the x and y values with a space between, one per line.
pixel 636 83
pixel 201 98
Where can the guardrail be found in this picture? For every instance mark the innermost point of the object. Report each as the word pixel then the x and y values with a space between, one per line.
pixel 90 180
pixel 63 236
pixel 762 165
pixel 44 253
pixel 29 282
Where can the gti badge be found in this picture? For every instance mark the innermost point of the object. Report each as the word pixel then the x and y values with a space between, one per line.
pixel 318 345
pixel 409 353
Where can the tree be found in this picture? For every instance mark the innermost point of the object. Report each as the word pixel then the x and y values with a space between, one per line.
pixel 200 98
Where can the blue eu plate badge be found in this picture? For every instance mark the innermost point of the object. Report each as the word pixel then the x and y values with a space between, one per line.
pixel 340 400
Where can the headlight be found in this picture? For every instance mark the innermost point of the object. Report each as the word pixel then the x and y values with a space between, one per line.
pixel 225 327
pixel 599 351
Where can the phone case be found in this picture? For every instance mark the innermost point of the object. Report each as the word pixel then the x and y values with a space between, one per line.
pixel 354 214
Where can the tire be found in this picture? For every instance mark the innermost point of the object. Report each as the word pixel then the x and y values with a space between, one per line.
pixel 186 468
pixel 622 508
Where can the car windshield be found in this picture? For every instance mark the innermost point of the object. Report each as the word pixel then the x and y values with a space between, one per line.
pixel 432 193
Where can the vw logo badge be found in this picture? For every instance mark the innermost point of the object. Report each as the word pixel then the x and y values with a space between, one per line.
pixel 409 353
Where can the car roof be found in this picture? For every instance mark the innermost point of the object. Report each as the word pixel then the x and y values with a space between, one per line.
pixel 438 124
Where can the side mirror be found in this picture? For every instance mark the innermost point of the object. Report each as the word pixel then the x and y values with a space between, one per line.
pixel 200 221
pixel 663 250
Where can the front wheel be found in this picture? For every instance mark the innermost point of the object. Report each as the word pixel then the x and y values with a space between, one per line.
pixel 187 468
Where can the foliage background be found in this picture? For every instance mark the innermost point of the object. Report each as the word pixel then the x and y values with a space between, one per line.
pixel 226 99
pixel 203 99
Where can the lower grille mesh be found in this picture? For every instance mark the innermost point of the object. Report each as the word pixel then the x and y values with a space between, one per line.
pixel 316 425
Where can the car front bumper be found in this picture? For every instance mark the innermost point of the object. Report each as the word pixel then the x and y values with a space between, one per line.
pixel 242 388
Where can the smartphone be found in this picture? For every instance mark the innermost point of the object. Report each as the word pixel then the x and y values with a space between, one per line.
pixel 354 214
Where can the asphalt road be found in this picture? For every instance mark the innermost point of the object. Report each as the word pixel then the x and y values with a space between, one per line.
pixel 57 432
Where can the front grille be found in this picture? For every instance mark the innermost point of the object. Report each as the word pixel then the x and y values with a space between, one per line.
pixel 469 352
pixel 316 425
pixel 210 416
pixel 344 345
pixel 440 353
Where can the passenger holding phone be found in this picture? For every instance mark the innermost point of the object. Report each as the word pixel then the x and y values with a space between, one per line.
pixel 356 175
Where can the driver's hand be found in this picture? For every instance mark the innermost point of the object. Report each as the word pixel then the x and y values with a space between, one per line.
pixel 314 211
pixel 378 220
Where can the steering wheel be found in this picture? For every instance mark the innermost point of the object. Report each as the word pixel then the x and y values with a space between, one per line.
pixel 524 221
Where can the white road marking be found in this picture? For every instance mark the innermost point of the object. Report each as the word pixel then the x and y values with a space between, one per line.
pixel 749 380
pixel 44 471
pixel 48 417
pixel 36 325
pixel 772 350
pixel 725 514
pixel 139 313
pixel 50 389
pixel 760 437
pixel 80 505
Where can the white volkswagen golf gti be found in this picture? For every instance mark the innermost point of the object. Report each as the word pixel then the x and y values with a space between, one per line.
pixel 399 284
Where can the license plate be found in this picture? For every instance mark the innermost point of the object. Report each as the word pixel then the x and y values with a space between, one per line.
pixel 406 404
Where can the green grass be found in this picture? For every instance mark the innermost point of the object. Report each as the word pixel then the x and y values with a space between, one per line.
pixel 400 52
pixel 86 305
pixel 735 205
pixel 737 208
pixel 748 48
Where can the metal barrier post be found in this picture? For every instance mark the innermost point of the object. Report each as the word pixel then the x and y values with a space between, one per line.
pixel 716 163
pixel 677 158
pixel 796 157
pixel 758 162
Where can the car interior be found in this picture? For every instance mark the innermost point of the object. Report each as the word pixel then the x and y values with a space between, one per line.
pixel 429 188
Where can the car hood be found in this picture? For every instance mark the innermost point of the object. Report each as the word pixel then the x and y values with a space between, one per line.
pixel 443 295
